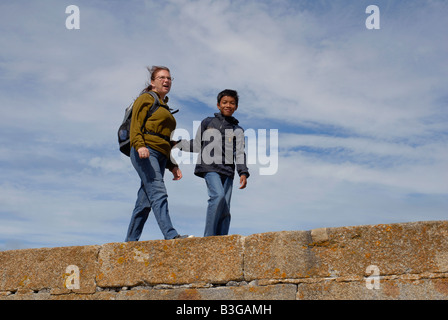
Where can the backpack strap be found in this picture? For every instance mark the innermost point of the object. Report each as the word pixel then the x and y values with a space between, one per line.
pixel 153 108
pixel 157 104
pixel 151 111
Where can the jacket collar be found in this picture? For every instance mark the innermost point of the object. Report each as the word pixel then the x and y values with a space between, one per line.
pixel 165 100
pixel 231 119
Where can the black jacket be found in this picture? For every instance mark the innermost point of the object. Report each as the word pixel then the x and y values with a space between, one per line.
pixel 220 143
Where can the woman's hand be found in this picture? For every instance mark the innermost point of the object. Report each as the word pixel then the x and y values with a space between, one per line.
pixel 143 153
pixel 177 173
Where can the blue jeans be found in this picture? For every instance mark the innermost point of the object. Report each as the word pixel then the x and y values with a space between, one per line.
pixel 152 194
pixel 219 189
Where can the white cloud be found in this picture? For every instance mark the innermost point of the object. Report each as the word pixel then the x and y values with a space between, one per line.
pixel 363 82
pixel 361 114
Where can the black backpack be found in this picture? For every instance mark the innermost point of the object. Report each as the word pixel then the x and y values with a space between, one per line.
pixel 124 140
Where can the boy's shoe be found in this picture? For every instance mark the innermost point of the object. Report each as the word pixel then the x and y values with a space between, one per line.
pixel 183 237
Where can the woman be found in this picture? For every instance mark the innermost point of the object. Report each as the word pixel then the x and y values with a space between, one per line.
pixel 150 156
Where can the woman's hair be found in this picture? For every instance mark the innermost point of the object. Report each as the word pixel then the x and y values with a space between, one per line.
pixel 228 93
pixel 152 75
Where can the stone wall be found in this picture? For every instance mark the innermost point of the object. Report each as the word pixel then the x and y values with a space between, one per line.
pixel 393 261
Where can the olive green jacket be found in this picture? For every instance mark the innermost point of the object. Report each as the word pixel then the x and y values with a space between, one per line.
pixel 161 122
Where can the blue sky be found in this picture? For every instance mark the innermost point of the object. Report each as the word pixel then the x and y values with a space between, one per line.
pixel 361 114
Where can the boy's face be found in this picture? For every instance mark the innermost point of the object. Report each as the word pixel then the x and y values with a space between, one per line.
pixel 227 106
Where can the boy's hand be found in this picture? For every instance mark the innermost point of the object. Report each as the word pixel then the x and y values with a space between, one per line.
pixel 173 144
pixel 243 181
pixel 177 173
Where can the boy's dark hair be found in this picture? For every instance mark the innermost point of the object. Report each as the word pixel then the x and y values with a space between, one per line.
pixel 228 93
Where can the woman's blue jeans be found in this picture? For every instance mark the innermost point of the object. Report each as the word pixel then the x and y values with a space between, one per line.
pixel 152 194
pixel 219 188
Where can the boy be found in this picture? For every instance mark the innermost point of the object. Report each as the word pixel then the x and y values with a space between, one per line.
pixel 219 141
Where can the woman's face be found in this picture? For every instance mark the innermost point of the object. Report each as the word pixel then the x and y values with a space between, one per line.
pixel 162 83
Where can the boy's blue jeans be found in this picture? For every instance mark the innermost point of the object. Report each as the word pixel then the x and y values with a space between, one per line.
pixel 152 194
pixel 219 189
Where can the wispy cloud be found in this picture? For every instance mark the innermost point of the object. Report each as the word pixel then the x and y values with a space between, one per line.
pixel 361 114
